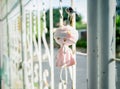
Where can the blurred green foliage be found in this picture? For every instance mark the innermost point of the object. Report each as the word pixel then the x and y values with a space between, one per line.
pixel 117 30
pixel 81 26
pixel 118 36
pixel 82 43
pixel 56 18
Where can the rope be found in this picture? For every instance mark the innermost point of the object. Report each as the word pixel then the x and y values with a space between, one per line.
pixel 64 82
pixel 70 13
pixel 61 13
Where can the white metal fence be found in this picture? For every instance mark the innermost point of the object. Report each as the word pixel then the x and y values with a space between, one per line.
pixel 28 59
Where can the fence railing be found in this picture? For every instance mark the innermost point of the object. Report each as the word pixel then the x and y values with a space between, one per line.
pixel 28 59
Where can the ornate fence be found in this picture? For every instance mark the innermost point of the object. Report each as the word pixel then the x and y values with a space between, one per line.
pixel 28 59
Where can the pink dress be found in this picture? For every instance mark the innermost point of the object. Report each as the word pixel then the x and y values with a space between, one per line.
pixel 65 57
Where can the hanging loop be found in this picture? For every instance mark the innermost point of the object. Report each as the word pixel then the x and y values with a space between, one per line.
pixel 61 13
pixel 70 13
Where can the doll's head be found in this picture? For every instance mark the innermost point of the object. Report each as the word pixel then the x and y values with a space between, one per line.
pixel 66 35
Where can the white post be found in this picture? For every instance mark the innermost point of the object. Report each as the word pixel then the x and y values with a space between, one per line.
pixel 73 24
pixel 23 41
pixel 31 50
pixel 39 47
pixel 1 45
pixel 25 49
pixel 106 27
pixel 51 44
pixel 92 50
pixel 8 45
pixel 1 52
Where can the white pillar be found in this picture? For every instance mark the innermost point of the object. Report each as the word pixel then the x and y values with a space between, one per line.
pixel 73 24
pixel 23 42
pixel 51 44
pixel 92 40
pixel 106 27
pixel 1 38
pixel 40 45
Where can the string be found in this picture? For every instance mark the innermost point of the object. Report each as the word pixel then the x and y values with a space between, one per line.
pixel 64 82
pixel 61 13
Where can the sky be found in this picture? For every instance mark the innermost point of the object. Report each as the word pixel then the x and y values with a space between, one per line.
pixel 80 6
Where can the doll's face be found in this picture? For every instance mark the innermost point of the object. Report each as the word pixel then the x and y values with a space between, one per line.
pixel 66 35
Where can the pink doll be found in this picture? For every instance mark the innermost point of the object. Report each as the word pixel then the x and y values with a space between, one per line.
pixel 65 36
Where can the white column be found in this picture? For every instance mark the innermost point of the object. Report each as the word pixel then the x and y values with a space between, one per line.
pixel 73 24
pixel 1 43
pixel 51 44
pixel 106 27
pixel 22 40
pixel 92 46
pixel 40 45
